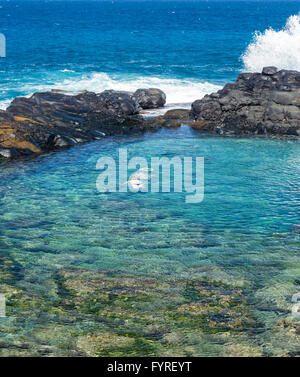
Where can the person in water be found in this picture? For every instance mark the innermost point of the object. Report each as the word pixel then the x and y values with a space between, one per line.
pixel 135 180
pixel 135 183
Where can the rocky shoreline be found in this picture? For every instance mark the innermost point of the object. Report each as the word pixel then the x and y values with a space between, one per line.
pixel 266 103
pixel 57 119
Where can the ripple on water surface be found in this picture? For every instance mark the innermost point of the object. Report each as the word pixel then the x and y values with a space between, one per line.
pixel 113 274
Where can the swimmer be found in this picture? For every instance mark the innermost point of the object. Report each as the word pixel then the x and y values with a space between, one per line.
pixel 135 183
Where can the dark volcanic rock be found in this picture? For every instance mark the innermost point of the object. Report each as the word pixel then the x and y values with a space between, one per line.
pixel 150 98
pixel 171 119
pixel 182 114
pixel 269 71
pixel 160 121
pixel 296 228
pixel 58 119
pixel 266 103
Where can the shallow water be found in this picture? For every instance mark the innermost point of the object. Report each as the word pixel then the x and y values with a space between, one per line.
pixel 87 273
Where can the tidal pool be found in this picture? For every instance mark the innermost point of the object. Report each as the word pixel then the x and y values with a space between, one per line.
pixel 145 274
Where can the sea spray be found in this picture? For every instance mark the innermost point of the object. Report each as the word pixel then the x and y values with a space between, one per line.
pixel 178 91
pixel 275 48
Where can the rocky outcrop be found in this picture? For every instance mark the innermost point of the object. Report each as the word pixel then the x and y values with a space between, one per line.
pixel 178 114
pixel 256 103
pixel 57 119
pixel 171 119
pixel 150 98
pixel 266 103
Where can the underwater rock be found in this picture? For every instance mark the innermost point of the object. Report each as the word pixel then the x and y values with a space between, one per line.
pixel 92 312
pixel 172 123
pixel 161 121
pixel 266 103
pixel 295 228
pixel 102 342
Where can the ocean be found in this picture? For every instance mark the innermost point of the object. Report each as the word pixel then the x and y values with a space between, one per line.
pixel 145 274
pixel 187 48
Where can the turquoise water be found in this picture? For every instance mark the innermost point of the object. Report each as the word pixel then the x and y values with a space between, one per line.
pixel 146 274
pixel 228 265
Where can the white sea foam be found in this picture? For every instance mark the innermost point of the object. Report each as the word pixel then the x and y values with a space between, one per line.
pixel 178 91
pixel 275 48
pixel 5 103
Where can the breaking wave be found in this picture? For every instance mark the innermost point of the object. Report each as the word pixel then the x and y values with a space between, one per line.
pixel 178 91
pixel 275 48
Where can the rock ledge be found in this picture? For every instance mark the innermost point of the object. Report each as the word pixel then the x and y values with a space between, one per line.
pixel 256 103
pixel 58 119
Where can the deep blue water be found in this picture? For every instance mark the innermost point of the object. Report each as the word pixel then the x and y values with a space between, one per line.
pixel 195 41
pixel 153 275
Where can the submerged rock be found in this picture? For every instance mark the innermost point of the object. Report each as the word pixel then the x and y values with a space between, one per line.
pixel 296 228
pixel 256 103
pixel 160 121
pixel 57 119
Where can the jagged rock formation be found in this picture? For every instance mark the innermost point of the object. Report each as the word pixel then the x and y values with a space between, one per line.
pixel 256 103
pixel 56 119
